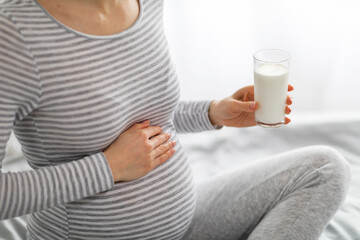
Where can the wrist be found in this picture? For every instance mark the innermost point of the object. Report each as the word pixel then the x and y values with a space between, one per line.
pixel 212 114
pixel 111 165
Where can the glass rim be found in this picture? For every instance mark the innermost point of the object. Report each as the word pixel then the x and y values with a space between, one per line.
pixel 272 49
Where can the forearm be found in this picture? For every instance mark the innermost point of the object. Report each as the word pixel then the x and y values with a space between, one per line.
pixel 193 116
pixel 31 191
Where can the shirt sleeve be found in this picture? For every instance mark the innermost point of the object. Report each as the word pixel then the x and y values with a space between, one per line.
pixel 193 116
pixel 20 92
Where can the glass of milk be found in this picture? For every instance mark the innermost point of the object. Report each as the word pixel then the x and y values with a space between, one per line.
pixel 271 86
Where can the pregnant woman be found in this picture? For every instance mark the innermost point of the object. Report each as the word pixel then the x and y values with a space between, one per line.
pixel 90 91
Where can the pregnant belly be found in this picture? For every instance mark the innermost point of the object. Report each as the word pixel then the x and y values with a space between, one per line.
pixel 158 205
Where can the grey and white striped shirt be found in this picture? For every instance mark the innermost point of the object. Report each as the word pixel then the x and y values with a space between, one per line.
pixel 67 96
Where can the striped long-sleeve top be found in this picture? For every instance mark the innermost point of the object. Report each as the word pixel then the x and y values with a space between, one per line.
pixel 67 96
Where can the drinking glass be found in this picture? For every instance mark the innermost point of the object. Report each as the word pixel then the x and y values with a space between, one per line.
pixel 271 73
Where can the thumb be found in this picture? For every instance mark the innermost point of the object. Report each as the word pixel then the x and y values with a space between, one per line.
pixel 241 106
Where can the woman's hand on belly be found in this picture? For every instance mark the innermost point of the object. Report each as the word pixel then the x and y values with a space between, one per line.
pixel 138 150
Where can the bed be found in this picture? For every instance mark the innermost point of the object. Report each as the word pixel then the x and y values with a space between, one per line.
pixel 211 153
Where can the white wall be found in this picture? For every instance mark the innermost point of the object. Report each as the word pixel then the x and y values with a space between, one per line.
pixel 212 43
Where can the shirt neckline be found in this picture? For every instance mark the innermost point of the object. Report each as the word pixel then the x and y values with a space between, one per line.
pixel 112 36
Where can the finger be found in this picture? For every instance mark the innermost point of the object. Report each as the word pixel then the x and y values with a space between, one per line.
pixel 249 94
pixel 287 120
pixel 290 88
pixel 140 125
pixel 245 92
pixel 239 106
pixel 152 131
pixel 246 97
pixel 159 139
pixel 163 148
pixel 288 100
pixel 287 110
pixel 164 157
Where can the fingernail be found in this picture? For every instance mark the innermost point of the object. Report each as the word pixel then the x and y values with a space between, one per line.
pixel 172 151
pixel 252 105
pixel 168 134
pixel 173 143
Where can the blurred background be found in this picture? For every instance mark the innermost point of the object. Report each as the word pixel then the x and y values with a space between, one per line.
pixel 212 43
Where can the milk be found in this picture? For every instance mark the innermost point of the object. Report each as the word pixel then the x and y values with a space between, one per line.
pixel 270 85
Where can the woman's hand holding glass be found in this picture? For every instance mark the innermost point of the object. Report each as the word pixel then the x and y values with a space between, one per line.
pixel 138 150
pixel 238 110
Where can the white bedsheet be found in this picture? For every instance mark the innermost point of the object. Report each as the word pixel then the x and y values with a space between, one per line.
pixel 213 152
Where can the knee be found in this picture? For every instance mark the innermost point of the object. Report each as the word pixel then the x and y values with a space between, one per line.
pixel 334 169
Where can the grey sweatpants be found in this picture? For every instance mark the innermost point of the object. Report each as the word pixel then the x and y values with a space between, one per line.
pixel 290 196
